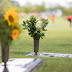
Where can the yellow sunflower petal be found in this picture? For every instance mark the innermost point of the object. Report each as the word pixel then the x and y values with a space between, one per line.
pixel 15 34
pixel 11 16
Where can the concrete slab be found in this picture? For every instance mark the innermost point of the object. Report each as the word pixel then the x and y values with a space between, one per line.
pixel 50 55
pixel 20 64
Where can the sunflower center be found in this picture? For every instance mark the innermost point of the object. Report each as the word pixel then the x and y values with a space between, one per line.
pixel 11 19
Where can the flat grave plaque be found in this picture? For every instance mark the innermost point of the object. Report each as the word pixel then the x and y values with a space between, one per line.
pixel 50 55
pixel 20 64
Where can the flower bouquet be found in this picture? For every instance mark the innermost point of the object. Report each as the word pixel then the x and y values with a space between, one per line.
pixel 36 30
pixel 9 30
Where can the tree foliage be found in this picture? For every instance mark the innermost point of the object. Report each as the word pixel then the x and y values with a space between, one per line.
pixel 5 4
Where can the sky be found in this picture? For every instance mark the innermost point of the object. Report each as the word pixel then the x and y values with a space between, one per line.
pixel 48 2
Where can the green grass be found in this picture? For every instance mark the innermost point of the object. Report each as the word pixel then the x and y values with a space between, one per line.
pixel 56 65
pixel 58 39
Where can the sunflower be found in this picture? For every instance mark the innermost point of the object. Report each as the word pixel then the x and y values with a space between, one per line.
pixel 15 34
pixel 11 9
pixel 11 17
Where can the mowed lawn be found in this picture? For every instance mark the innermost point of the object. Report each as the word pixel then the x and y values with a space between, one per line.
pixel 58 39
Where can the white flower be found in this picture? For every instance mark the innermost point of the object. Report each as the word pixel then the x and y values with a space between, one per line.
pixel 38 25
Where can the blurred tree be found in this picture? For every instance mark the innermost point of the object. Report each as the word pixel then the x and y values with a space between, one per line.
pixel 6 4
pixel 0 2
pixel 28 7
pixel 15 3
pixel 66 11
pixel 41 8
